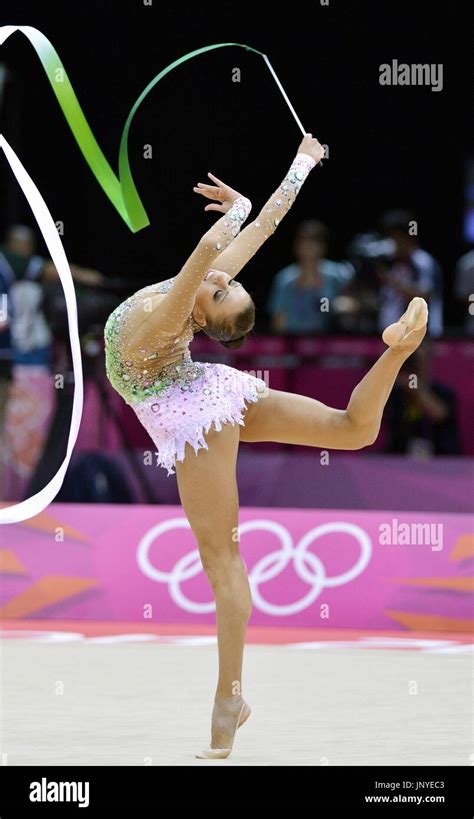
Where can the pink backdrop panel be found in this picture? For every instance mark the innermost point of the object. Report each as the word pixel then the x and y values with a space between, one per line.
pixel 307 568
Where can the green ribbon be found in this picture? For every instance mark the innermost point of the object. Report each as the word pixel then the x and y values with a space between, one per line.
pixel 121 190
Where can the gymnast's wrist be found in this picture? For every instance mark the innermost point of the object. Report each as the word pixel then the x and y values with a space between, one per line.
pixel 241 205
pixel 304 160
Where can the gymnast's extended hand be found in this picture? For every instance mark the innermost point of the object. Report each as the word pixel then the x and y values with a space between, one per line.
pixel 223 195
pixel 309 145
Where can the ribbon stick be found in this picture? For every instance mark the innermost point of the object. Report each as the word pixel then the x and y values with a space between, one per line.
pixel 32 506
pixel 285 95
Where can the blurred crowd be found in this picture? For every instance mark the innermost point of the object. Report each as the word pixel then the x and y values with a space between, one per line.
pixel 29 327
pixel 371 288
pixel 312 295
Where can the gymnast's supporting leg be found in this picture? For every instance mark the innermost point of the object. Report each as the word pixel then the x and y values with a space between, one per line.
pixel 208 491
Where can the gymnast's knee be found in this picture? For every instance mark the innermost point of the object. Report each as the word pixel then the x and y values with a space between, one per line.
pixel 366 435
pixel 222 563
pixel 357 435
pixel 217 558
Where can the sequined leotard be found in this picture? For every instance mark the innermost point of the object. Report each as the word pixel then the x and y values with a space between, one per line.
pixel 147 337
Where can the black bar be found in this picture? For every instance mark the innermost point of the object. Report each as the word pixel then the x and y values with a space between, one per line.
pixel 439 791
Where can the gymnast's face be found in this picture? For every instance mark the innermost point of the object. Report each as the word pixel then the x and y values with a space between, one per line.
pixel 219 298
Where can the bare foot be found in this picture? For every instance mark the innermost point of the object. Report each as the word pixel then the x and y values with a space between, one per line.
pixel 408 332
pixel 227 715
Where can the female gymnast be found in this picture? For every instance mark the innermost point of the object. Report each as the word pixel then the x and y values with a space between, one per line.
pixel 196 413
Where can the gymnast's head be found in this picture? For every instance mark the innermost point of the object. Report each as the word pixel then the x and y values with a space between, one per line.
pixel 223 309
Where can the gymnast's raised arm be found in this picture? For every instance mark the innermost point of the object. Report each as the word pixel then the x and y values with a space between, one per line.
pixel 234 257
pixel 221 246
pixel 168 315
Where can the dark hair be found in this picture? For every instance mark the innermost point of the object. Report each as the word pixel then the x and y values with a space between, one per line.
pixel 232 333
pixel 312 229
pixel 396 220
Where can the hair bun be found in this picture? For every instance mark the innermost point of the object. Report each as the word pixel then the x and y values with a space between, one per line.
pixel 234 343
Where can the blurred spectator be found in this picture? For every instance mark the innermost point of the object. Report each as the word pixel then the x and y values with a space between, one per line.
pixel 358 307
pixel 464 289
pixel 25 337
pixel 18 265
pixel 421 413
pixel 303 293
pixel 26 387
pixel 411 272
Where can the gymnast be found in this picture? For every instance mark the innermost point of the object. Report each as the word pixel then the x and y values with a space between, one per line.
pixel 197 413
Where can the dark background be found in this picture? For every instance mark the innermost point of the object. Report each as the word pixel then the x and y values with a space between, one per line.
pixel 389 146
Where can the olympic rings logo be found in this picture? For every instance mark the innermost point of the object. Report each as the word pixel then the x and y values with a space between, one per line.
pixel 307 565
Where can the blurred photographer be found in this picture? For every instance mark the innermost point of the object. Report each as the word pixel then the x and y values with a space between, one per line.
pixel 422 412
pixel 409 272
